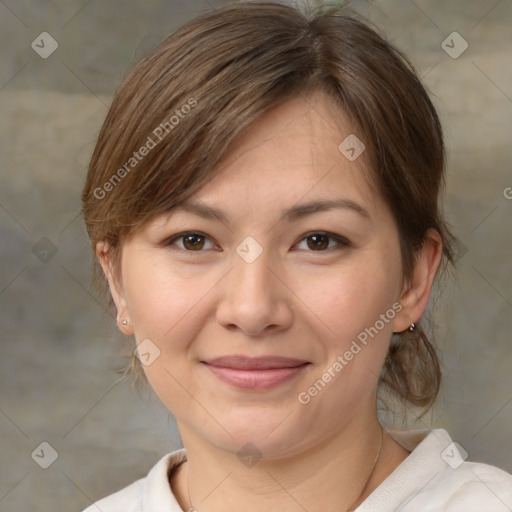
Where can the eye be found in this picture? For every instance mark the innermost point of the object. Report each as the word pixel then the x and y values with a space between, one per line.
pixel 194 241
pixel 191 241
pixel 320 241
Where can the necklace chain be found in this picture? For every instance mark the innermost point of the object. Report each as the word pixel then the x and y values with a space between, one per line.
pixel 350 509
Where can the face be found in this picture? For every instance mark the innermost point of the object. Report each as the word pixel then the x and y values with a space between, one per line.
pixel 299 301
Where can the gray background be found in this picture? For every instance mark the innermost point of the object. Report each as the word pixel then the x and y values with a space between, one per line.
pixel 59 344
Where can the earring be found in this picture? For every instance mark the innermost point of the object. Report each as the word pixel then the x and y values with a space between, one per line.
pixel 412 328
pixel 125 322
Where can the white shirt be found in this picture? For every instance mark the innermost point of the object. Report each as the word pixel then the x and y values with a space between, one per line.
pixel 433 478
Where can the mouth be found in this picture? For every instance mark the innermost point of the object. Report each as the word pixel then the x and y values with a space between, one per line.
pixel 256 374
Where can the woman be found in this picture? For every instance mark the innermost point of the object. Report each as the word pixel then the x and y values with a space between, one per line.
pixel 263 202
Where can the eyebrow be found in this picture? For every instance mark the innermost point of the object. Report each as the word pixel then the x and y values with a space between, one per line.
pixel 294 213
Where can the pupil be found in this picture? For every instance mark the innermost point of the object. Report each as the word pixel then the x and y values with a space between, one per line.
pixel 193 241
pixel 319 242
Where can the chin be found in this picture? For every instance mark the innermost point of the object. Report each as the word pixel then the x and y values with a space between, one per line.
pixel 269 435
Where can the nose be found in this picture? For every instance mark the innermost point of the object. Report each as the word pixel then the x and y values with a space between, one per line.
pixel 255 300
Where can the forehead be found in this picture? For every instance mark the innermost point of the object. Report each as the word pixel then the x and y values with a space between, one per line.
pixel 315 117
pixel 298 147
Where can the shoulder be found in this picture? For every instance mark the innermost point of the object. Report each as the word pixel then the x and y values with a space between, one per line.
pixel 471 487
pixel 150 493
pixel 128 499
pixel 436 477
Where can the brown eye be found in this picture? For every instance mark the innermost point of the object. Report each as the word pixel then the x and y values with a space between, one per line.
pixel 318 242
pixel 193 242
pixel 189 242
pixel 323 242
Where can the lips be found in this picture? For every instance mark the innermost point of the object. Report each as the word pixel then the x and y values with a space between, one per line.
pixel 255 363
pixel 255 374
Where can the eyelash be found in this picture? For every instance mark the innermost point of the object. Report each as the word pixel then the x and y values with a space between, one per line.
pixel 340 240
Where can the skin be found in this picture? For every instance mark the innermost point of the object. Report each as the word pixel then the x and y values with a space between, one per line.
pixel 197 302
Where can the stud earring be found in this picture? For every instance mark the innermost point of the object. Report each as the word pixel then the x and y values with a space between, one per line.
pixel 412 328
pixel 125 322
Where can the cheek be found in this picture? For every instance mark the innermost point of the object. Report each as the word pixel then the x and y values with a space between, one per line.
pixel 157 297
pixel 168 309
pixel 355 303
pixel 356 306
pixel 349 299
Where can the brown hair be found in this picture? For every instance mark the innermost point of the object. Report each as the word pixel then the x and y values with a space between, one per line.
pixel 177 112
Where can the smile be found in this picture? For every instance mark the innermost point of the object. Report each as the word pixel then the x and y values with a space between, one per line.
pixel 256 374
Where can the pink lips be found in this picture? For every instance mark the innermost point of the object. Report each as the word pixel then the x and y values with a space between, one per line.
pixel 255 373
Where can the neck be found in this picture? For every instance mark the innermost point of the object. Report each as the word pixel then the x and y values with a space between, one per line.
pixel 336 474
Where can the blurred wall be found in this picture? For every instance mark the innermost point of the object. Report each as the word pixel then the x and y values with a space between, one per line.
pixel 58 342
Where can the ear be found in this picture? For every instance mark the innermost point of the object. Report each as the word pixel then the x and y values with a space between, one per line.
pixel 104 255
pixel 416 292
